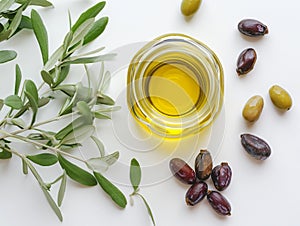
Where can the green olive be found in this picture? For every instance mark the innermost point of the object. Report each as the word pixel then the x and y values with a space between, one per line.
pixel 280 97
pixel 253 108
pixel 189 7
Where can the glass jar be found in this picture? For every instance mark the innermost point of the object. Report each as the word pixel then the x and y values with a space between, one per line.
pixel 175 86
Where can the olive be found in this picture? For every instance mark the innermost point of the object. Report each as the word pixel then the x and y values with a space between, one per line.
pixel 246 61
pixel 219 203
pixel 253 108
pixel 196 193
pixel 221 176
pixel 252 28
pixel 203 165
pixel 255 146
pixel 182 171
pixel 189 7
pixel 280 97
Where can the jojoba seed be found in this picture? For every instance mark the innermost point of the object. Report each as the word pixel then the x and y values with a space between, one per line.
pixel 219 203
pixel 221 176
pixel 252 28
pixel 182 171
pixel 246 61
pixel 203 165
pixel 255 146
pixel 196 193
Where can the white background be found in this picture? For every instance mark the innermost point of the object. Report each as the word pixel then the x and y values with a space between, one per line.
pixel 261 193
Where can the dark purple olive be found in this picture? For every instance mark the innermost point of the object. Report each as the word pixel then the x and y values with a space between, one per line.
pixel 182 171
pixel 219 203
pixel 203 165
pixel 221 176
pixel 252 28
pixel 196 193
pixel 246 61
pixel 255 146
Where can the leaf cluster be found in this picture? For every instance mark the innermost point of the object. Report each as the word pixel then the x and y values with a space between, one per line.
pixel 82 104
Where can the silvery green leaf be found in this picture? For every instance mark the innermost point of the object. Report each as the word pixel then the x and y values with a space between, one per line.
pixel 67 89
pixel 101 164
pixel 79 134
pixel 18 122
pixel 70 127
pixel 135 174
pixel 52 203
pixel 6 4
pixel 104 99
pixel 16 21
pixel 108 109
pixel 84 110
pixel 106 82
pixel 1 104
pixel 83 93
pixel 40 33
pixel 89 13
pixel 67 107
pixel 148 208
pixel 37 136
pixel 67 41
pixel 99 145
pixel 30 87
pixel 89 60
pixel 114 192
pixel 96 30
pixel 13 101
pixel 24 167
pixel 44 159
pixel 62 189
pixel 76 173
pixel 101 116
pixel 47 77
pixel 66 147
pixel 61 75
pixel 42 3
pixel 7 55
pixel 43 101
pixel 54 58
pixel 18 79
pixel 82 31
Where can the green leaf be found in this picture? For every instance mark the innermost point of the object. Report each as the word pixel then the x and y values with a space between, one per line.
pixel 61 75
pixel 106 82
pixel 90 13
pixel 32 96
pixel 40 34
pixel 85 110
pixel 30 87
pixel 18 79
pixel 62 189
pixel 1 104
pixel 44 159
pixel 24 167
pixel 47 77
pixel 25 23
pixel 18 122
pixel 116 195
pixel 70 127
pixel 148 208
pixel 135 174
pixel 104 99
pixel 37 136
pixel 6 4
pixel 16 21
pixel 54 58
pixel 77 174
pixel 67 41
pixel 34 106
pixel 67 89
pixel 108 109
pixel 82 31
pixel 99 145
pixel 7 55
pixel 42 3
pixel 67 107
pixel 89 60
pixel 13 101
pixel 4 154
pixel 43 101
pixel 96 30
pixel 78 135
pixel 52 203
pixel 101 116
pixel 102 163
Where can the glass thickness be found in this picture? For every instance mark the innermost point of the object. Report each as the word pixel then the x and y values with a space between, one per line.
pixel 175 86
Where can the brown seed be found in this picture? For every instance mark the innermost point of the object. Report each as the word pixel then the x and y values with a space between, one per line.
pixel 219 203
pixel 252 28
pixel 246 61
pixel 182 171
pixel 196 193
pixel 221 176
pixel 255 146
pixel 203 165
